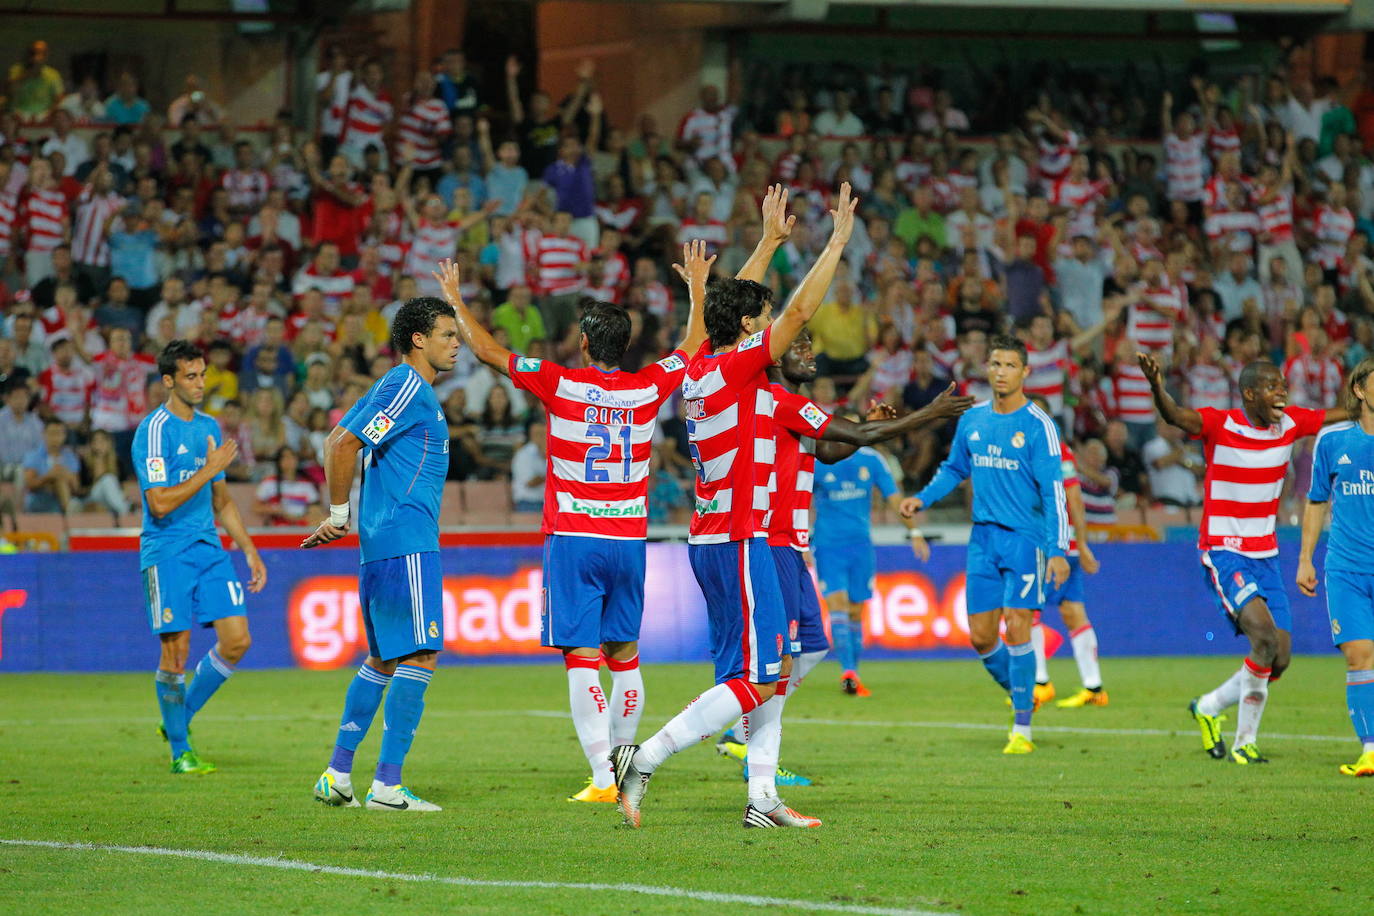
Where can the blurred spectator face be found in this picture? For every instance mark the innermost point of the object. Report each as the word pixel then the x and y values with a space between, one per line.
pixel 312 303
pixel 570 149
pixel 338 170
pixel 266 362
pixel 462 199
pixel 1115 438
pixel 327 259
pixel 562 222
pixel 423 85
pixel 1152 271
pixel 40 173
pixel 17 399
pixel 710 98
pixel 173 291
pixel 1240 264
pixel 1041 331
pixel 1082 248
pixel 1025 247
pixel 63 351
pixel 64 297
pixel 701 211
pixel 520 297
pixel 372 75
pixel 273 333
pixel 1095 453
pixel 509 153
pixel 54 435
pixel 1038 209
pixel 922 198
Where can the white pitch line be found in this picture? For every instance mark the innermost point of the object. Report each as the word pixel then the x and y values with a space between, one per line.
pixel 1067 729
pixel 680 893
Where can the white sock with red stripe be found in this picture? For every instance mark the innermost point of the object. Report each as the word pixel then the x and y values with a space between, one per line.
pixel 803 665
pixel 627 700
pixel 1042 668
pixel 1254 693
pixel 1223 698
pixel 1084 641
pixel 765 744
pixel 590 715
pixel 704 716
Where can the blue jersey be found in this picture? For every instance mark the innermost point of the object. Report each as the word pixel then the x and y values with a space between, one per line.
pixel 167 451
pixel 1014 462
pixel 843 496
pixel 405 462
pixel 1343 473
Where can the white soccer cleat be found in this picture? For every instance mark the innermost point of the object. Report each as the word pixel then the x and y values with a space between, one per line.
pixel 630 783
pixel 396 798
pixel 335 789
pixel 780 816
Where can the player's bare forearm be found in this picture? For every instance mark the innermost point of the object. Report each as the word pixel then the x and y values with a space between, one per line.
pixel 227 514
pixel 756 268
pixel 1313 521
pixel 1185 418
pixel 483 345
pixel 340 458
pixel 163 501
pixel 1336 415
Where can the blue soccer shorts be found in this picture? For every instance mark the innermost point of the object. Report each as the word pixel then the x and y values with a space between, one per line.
pixel 1071 590
pixel 1236 580
pixel 593 591
pixel 195 585
pixel 402 601
pixel 1350 605
pixel 846 568
pixel 1005 570
pixel 805 630
pixel 744 610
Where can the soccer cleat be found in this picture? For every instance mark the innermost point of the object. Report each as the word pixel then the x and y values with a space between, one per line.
pixel 335 792
pixel 786 777
pixel 396 798
pixel 591 793
pixel 629 782
pixel 1084 697
pixel 781 816
pixel 1247 754
pixel 730 746
pixel 1362 767
pixel 189 763
pixel 162 732
pixel 1212 741
pixel 1018 744
pixel 1044 693
pixel 849 683
pixel 859 689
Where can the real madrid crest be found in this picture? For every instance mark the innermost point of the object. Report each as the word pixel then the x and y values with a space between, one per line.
pixel 1018 439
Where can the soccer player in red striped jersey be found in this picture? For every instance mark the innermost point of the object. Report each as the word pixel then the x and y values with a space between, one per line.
pixel 729 406
pixel 600 426
pixel 1247 451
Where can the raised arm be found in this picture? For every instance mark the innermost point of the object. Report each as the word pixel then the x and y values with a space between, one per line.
pixel 228 515
pixel 777 228
pixel 340 458
pixel 517 111
pixel 812 289
pixel 842 437
pixel 694 270
pixel 1166 114
pixel 483 345
pixel 1185 418
pixel 586 70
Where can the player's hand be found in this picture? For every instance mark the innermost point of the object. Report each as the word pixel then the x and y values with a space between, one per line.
pixel 1150 367
pixel 512 67
pixel 449 280
pixel 217 458
pixel 920 548
pixel 880 410
pixel 1088 560
pixel 948 404
pixel 777 225
pixel 1307 578
pixel 843 215
pixel 323 535
pixel 257 572
pixel 1059 571
pixel 695 266
pixel 910 506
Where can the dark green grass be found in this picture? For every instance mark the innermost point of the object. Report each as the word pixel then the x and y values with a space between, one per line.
pixel 917 814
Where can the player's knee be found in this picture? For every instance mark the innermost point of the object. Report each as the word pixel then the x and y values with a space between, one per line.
pixel 235 647
pixel 1073 613
pixel 1264 644
pixel 1359 657
pixel 983 643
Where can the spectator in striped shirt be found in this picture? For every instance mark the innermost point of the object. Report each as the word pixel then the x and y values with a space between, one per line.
pixel 1099 482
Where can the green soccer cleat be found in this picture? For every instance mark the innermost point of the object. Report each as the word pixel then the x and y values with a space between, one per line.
pixel 1247 754
pixel 1362 767
pixel 162 732
pixel 730 746
pixel 1210 726
pixel 188 762
pixel 335 790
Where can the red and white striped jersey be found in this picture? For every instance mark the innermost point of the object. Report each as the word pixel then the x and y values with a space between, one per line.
pixel 911 172
pixel 1222 141
pixel 1129 394
pixel 1236 229
pixel 1209 385
pixel 797 423
pixel 120 398
pixel 247 188
pixel 622 216
pixel 1081 197
pixel 1152 318
pixel 1048 371
pixel 658 300
pixel 711 132
pixel 713 232
pixel 432 243
pixel 9 211
pixel 90 243
pixel 1068 467
pixel 1215 192
pixel 1332 229
pixel 730 432
pixel 617 270
pixel 1056 156
pixel 945 358
pixel 1276 217
pixel 1245 470
pixel 43 213
pixel 67 392
pixel 557 260
pixel 1143 253
pixel 601 426
pixel 1313 381
pixel 335 287
pixel 944 193
pixel 424 127
pixel 365 118
pixel 1184 170
pixel 785 168
pixel 245 326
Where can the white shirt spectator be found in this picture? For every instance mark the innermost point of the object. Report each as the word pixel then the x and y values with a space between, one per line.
pixel 527 464
pixel 830 124
pixel 1304 120
pixel 73 148
pixel 1233 293
pixel 1175 483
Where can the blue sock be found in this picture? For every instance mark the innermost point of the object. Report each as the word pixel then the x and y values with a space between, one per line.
pixel 1022 659
pixel 839 634
pixel 211 674
pixel 360 707
pixel 1359 696
pixel 171 699
pixel 856 642
pixel 998 663
pixel 405 703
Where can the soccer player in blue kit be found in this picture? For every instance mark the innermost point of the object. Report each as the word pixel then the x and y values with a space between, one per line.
pixel 400 429
pixel 1009 448
pixel 1343 475
pixel 187 576
pixel 843 543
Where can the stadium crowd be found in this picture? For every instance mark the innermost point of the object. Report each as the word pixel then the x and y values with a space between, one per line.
pixel 1240 229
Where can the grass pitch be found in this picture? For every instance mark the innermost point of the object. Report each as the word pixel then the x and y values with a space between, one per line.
pixel 1118 811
